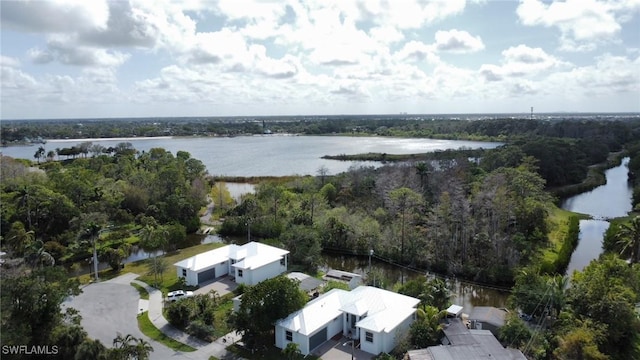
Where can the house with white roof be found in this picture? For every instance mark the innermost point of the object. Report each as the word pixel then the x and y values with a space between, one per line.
pixel 249 264
pixel 371 316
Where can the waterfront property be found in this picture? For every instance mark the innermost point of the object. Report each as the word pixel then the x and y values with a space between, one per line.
pixel 462 343
pixel 374 318
pixel 248 264
pixel 488 318
pixel 351 279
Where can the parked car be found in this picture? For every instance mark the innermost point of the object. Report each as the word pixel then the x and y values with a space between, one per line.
pixel 178 295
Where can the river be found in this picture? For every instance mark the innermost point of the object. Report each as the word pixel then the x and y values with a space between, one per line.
pixel 604 202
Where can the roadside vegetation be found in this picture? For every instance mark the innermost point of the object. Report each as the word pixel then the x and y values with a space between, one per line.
pixel 203 316
pixel 147 328
pixel 144 294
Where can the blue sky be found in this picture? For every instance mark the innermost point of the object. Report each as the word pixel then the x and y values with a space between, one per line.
pixel 96 59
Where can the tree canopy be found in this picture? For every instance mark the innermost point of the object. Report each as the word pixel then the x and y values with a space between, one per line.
pixel 262 305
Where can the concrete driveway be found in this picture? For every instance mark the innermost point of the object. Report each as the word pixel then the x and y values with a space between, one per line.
pixel 222 285
pixel 334 350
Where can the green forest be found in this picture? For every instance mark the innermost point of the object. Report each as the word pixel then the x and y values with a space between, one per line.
pixel 491 218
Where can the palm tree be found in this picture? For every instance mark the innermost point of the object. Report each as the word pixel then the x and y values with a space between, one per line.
pixel 36 255
pixel 629 239
pixel 51 155
pixel 18 238
pixel 154 238
pixel 427 329
pixel 39 154
pixel 90 231
pixel 558 286
pixel 130 347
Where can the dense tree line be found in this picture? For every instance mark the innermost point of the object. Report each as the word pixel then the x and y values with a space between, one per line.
pixel 454 218
pixel 612 131
pixel 118 196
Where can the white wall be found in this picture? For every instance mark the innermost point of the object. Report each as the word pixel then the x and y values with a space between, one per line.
pixel 301 340
pixel 222 268
pixel 333 327
pixel 384 342
pixel 190 279
pixel 254 276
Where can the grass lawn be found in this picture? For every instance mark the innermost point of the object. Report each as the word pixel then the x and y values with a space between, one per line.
pixel 221 315
pixel 151 331
pixel 558 222
pixel 143 292
pixel 170 278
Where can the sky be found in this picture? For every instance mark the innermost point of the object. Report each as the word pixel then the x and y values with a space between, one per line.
pixel 161 58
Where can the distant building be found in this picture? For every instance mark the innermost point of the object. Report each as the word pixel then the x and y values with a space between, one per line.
pixel 306 283
pixel 373 317
pixel 351 279
pixel 248 264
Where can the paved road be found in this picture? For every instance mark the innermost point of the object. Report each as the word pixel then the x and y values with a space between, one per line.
pixel 111 307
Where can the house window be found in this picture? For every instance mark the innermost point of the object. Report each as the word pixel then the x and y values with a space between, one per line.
pixel 282 261
pixel 239 273
pixel 184 272
pixel 368 336
pixel 289 335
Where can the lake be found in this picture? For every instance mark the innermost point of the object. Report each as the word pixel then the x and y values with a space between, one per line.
pixel 268 155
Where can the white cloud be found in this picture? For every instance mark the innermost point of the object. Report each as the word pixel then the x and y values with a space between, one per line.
pixel 609 74
pixel 127 26
pixel 417 51
pixel 62 16
pixel 15 79
pixel 408 14
pixel 66 52
pixel 386 34
pixel 522 61
pixel 582 23
pixel 9 61
pixel 457 41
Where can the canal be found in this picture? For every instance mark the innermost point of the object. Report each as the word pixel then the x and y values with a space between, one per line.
pixel 602 203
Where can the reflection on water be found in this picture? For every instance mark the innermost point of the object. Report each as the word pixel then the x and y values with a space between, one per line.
pixel 85 267
pixel 590 244
pixel 237 190
pixel 464 294
pixel 607 201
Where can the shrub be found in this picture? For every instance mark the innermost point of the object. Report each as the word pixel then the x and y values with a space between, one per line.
pixel 200 330
pixel 179 313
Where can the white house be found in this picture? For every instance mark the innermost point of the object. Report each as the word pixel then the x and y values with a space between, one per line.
pixel 249 264
pixel 370 315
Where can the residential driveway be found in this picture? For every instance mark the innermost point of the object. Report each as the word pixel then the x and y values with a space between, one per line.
pixel 222 285
pixel 334 350
pixel 110 307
